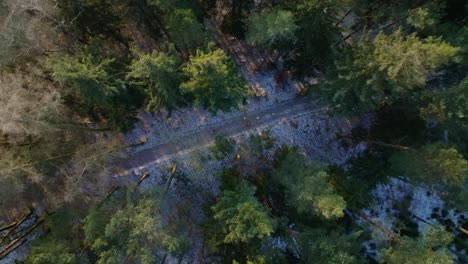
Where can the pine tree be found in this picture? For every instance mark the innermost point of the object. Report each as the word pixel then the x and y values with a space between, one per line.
pixel 430 247
pixel 318 33
pixel 441 167
pixel 135 233
pixel 213 80
pixel 433 164
pixel 89 77
pixel 184 28
pixel 270 28
pixel 52 251
pixel 307 187
pixel 329 247
pixel 95 86
pixel 241 216
pixel 449 107
pixel 389 68
pixel 160 74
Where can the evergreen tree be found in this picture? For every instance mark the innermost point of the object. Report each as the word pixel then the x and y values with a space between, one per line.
pixel 222 147
pixel 184 28
pixel 389 68
pixel 441 167
pixel 450 108
pixel 270 28
pixel 432 163
pixel 307 187
pixel 213 80
pixel 161 75
pixel 89 77
pixel 136 232
pixel 430 247
pixel 60 244
pixel 95 86
pixel 319 246
pixel 241 216
pixel 318 33
pixel 52 252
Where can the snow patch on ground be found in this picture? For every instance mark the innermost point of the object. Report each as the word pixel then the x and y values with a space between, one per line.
pixel 424 206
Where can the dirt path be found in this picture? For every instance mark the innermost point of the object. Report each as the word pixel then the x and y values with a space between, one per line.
pixel 190 128
pixel 243 123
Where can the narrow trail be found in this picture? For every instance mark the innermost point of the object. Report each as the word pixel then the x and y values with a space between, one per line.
pixel 243 123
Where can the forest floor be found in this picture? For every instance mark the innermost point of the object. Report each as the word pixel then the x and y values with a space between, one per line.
pixel 190 140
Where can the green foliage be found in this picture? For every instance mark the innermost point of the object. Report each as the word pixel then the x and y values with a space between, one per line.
pixel 59 246
pixel 316 192
pixel 430 247
pixel 241 216
pixel 160 74
pixel 407 61
pixel 449 107
pixel 213 80
pixel 320 246
pixel 95 86
pixel 285 217
pixel 222 147
pixel 387 69
pixel 60 224
pixel 229 179
pixel 89 77
pixel 307 187
pixel 135 232
pixel 272 27
pixel 184 28
pixel 258 144
pixel 317 34
pixel 355 185
pixel 426 16
pixel 432 163
pixel 52 251
pixel 443 167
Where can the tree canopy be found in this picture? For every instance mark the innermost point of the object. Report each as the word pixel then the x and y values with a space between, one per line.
pixel 430 247
pixel 213 80
pixel 386 69
pixel 242 217
pixel 307 187
pixel 160 75
pixel 273 27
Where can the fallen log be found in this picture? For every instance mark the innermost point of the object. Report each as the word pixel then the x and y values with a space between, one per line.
pixel 13 244
pixel 16 226
pixel 6 227
pixel 143 177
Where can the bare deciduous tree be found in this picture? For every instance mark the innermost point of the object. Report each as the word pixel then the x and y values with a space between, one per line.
pixel 27 105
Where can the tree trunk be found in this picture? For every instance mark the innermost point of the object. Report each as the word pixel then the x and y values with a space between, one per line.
pixel 6 227
pixel 169 181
